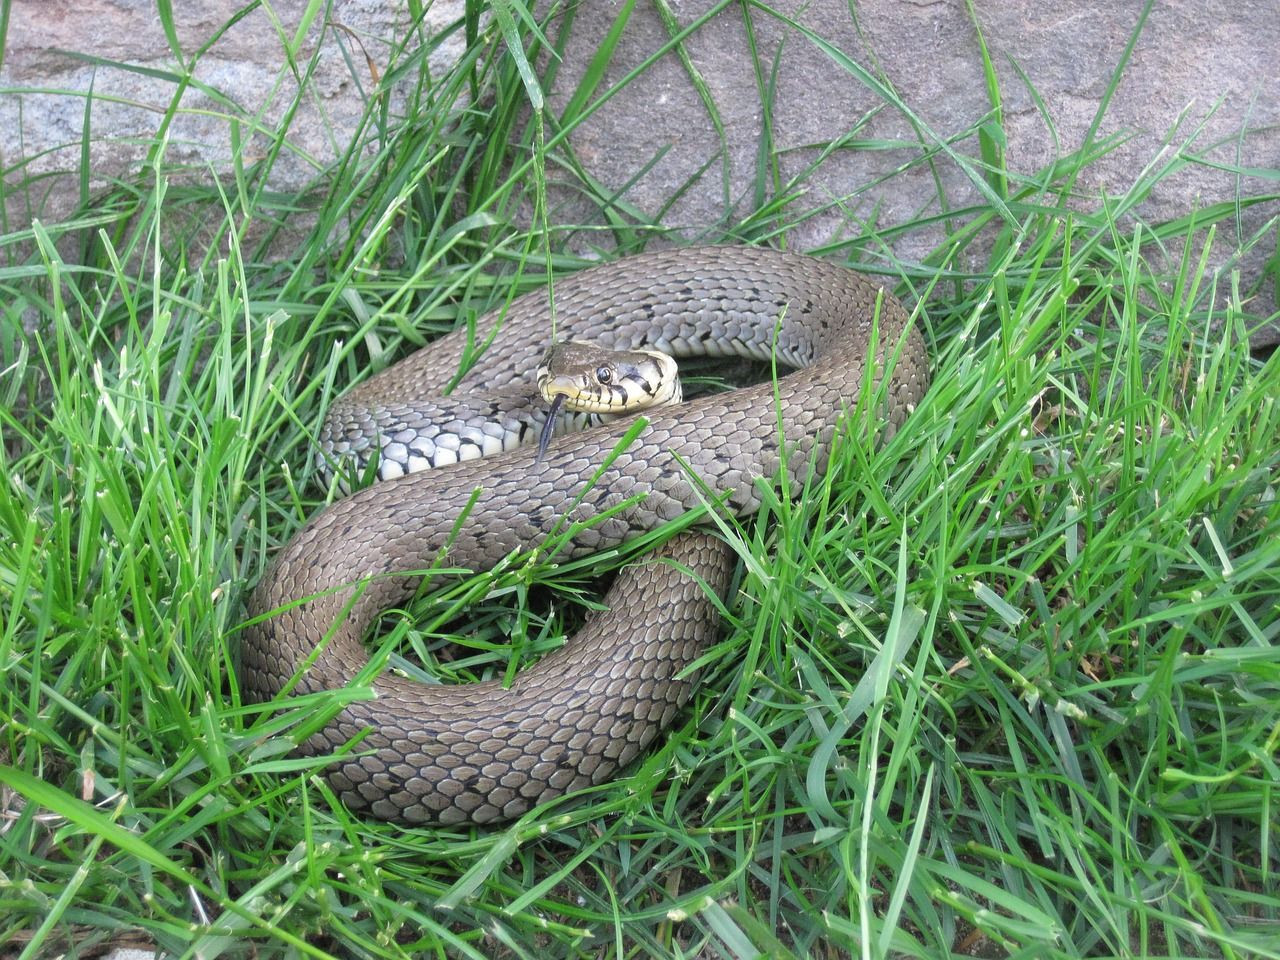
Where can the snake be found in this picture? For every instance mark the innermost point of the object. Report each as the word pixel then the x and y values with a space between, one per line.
pixel 419 753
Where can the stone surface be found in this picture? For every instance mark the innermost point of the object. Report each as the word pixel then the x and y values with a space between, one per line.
pixel 1201 77
pixel 56 50
pixel 1200 72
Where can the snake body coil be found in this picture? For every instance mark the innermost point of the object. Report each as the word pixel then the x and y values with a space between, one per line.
pixel 482 752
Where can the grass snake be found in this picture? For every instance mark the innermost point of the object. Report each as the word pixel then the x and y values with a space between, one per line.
pixel 482 752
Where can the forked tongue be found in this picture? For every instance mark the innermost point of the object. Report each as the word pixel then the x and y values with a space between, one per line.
pixel 548 428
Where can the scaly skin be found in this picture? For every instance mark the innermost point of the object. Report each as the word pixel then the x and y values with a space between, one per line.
pixel 480 753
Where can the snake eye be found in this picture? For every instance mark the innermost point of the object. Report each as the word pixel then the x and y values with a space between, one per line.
pixel 604 374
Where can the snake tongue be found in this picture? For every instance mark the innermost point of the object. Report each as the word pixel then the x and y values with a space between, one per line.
pixel 548 428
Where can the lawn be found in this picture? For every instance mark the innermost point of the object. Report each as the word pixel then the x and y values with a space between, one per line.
pixel 1006 685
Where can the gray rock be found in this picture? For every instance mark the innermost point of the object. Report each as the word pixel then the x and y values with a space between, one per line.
pixel 1200 91
pixel 1201 77
pixel 57 50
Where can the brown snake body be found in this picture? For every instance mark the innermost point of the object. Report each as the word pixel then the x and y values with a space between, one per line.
pixel 481 752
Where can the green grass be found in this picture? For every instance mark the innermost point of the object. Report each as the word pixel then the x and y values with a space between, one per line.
pixel 1007 685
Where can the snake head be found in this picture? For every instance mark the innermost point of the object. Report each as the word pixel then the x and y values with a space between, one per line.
pixel 586 378
pixel 594 379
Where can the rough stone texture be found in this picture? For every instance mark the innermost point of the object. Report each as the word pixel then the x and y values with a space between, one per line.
pixel 56 50
pixel 1205 68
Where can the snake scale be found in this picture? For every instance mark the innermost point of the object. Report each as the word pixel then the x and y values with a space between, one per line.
pixel 483 752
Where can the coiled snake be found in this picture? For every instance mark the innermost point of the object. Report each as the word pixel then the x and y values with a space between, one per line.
pixel 482 752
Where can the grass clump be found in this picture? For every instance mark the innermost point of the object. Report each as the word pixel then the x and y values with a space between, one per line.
pixel 1006 685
